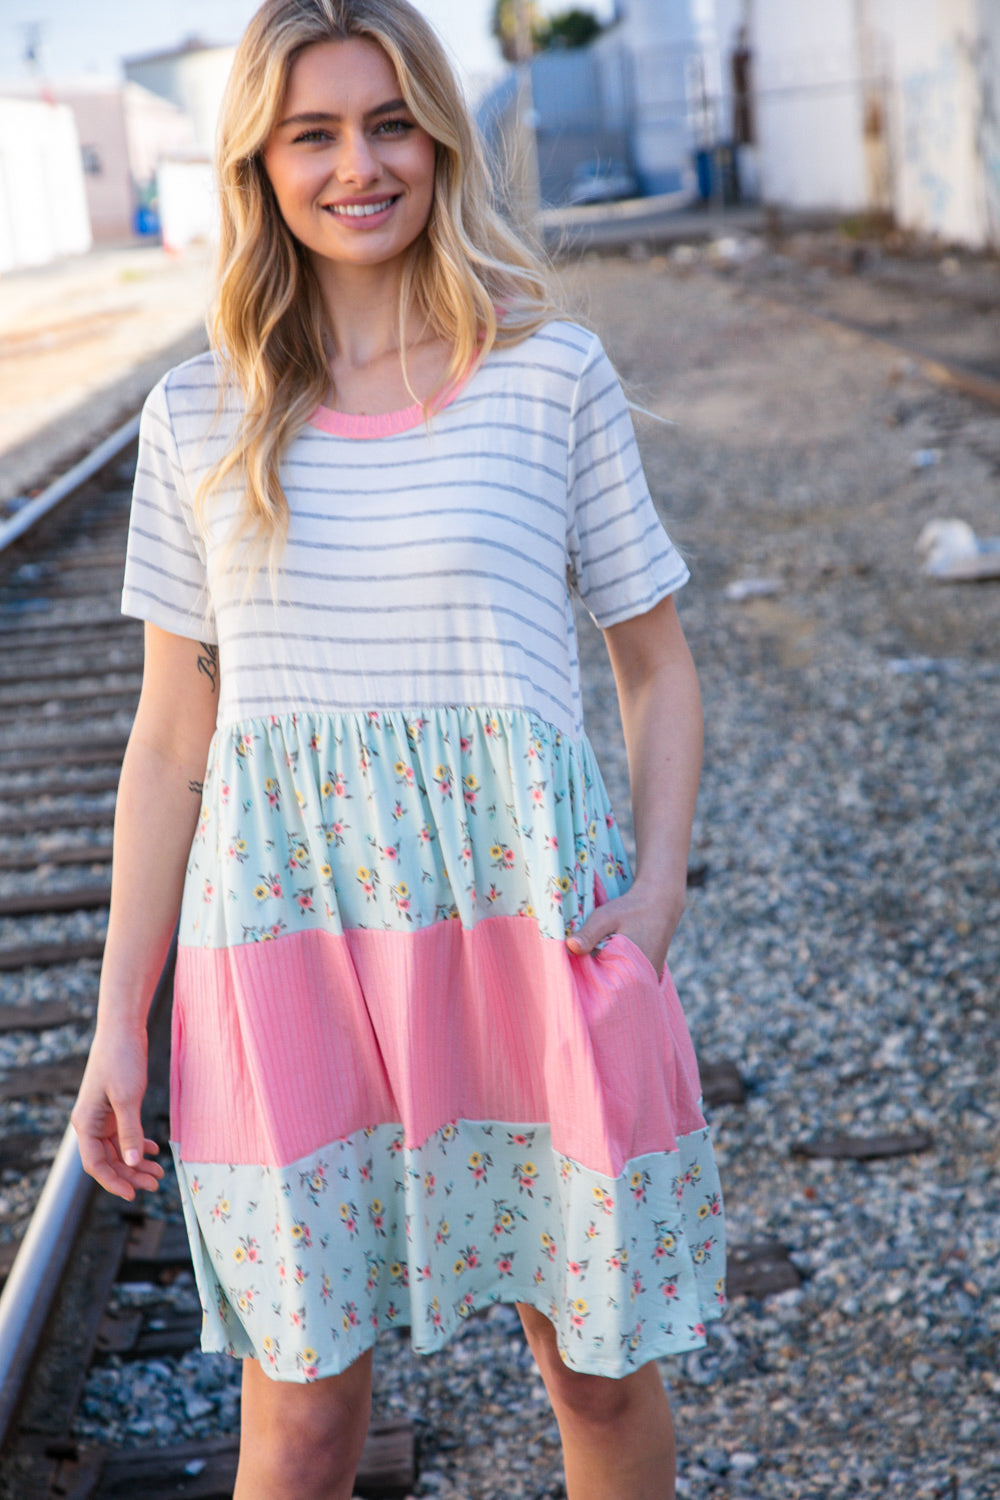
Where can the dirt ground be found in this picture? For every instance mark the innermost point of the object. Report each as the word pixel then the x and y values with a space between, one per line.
pixel 829 450
pixel 81 342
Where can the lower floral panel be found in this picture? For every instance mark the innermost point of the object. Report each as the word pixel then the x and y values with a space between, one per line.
pixel 301 1266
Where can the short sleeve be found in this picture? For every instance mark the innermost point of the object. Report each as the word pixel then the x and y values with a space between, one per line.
pixel 621 560
pixel 165 572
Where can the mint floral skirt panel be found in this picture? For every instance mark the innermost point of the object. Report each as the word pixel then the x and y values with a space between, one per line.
pixel 397 1097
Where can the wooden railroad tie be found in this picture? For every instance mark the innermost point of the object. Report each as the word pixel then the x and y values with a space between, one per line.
pixel 45 955
pixel 99 752
pixel 58 819
pixel 81 854
pixel 40 1016
pixel 41 903
pixel 207 1470
pixel 77 692
pixel 760 1269
pixel 721 1083
pixel 91 784
pixel 62 1077
pixel 863 1147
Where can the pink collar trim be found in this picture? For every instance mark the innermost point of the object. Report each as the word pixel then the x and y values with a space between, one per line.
pixel 384 424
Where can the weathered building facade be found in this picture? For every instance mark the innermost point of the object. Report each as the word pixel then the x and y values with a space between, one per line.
pixel 883 106
pixel 853 106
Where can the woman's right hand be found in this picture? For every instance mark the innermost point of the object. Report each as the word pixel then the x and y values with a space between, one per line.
pixel 107 1115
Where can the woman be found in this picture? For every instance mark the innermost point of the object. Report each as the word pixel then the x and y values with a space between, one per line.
pixel 424 1056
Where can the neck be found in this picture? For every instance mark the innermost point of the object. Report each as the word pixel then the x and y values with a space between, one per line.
pixel 362 308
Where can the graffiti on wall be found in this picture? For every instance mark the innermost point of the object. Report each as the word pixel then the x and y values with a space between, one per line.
pixel 951 138
pixel 931 127
pixel 984 57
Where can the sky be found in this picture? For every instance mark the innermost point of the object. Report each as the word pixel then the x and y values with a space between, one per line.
pixel 91 36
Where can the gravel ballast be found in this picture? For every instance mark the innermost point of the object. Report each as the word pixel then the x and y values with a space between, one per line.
pixel 842 948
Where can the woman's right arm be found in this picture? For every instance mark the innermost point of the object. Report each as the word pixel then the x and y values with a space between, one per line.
pixel 159 800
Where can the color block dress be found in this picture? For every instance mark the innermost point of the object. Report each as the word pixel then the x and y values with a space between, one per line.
pixel 396 1096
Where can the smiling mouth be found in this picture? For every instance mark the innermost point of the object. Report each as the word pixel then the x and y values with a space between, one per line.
pixel 360 210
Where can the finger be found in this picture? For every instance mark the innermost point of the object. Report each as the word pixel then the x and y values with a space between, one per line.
pixel 105 1169
pixel 102 1161
pixel 126 1180
pixel 145 1174
pixel 145 1181
pixel 131 1139
pixel 149 1175
pixel 150 1148
pixel 596 928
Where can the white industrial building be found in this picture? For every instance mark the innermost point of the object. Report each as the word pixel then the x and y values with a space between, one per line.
pixel 887 106
pixel 851 107
pixel 125 133
pixel 193 77
pixel 43 200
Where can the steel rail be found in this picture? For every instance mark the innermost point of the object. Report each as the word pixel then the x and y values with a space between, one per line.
pixel 33 1281
pixel 60 489
pixel 31 1286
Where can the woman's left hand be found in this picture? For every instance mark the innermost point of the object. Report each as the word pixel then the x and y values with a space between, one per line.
pixel 649 920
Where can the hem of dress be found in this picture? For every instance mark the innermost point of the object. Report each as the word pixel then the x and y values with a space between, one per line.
pixel 613 1369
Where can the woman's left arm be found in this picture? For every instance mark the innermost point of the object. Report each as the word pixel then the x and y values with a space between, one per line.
pixel 661 716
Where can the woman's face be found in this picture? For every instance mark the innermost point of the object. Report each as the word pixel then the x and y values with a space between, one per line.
pixel 351 169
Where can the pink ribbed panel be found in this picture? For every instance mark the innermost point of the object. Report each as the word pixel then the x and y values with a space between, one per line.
pixel 280 1048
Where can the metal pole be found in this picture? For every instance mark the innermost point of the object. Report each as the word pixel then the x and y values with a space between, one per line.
pixel 528 188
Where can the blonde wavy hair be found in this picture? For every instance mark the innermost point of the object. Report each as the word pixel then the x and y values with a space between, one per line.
pixel 268 326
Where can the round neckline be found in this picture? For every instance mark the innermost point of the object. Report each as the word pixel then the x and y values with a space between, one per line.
pixel 382 424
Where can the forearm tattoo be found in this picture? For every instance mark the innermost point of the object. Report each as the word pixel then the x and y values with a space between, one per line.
pixel 209 663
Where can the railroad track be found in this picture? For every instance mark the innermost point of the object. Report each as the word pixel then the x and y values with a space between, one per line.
pixel 70 669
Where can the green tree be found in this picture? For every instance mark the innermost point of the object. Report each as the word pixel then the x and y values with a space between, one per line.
pixel 570 28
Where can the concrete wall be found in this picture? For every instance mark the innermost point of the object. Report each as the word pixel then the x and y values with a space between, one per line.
pixel 100 123
pixel 43 202
pixel 810 107
pixel 944 59
pixel 891 105
pixel 626 99
pixel 986 60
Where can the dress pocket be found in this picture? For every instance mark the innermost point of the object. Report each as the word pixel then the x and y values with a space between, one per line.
pixel 631 950
pixel 623 945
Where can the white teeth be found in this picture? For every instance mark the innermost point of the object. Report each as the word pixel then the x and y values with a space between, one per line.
pixel 360 210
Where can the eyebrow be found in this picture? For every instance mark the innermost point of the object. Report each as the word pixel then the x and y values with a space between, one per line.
pixel 322 117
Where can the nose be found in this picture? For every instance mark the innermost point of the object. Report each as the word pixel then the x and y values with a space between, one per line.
pixel 357 163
